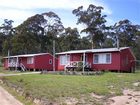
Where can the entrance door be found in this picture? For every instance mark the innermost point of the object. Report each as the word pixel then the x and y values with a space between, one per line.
pixel 86 58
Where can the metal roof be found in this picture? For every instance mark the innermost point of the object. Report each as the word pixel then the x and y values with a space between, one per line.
pixel 93 50
pixel 27 55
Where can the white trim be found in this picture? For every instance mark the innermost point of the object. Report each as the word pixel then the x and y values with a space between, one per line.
pixel 103 50
pixel 83 62
pixel 27 55
pixel 103 56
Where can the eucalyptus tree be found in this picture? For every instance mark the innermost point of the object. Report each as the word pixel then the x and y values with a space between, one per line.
pixel 7 28
pixel 126 32
pixel 94 23
pixel 6 33
pixel 128 35
pixel 27 35
pixel 85 43
pixel 53 27
pixel 69 39
pixel 36 33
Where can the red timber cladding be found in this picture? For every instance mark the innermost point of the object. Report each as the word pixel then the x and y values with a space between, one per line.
pixel 90 58
pixel 78 57
pixel 115 61
pixel 24 62
pixel 60 67
pixel 114 65
pixel 42 62
pixel 5 63
pixel 127 59
pixel 73 57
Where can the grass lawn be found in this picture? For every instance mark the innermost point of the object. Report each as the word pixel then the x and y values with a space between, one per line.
pixel 2 70
pixel 53 87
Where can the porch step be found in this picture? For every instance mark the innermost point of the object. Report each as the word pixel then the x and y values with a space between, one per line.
pixel 23 67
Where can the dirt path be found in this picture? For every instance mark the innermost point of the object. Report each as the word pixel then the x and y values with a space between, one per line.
pixel 7 99
pixel 14 74
pixel 129 97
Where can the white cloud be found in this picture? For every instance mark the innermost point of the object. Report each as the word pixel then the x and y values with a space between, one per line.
pixel 19 10
pixel 52 4
pixel 15 15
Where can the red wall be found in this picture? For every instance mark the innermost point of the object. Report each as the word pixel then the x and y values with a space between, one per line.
pixel 5 63
pixel 126 53
pixel 117 61
pixel 24 62
pixel 40 62
pixel 114 65
pixel 115 58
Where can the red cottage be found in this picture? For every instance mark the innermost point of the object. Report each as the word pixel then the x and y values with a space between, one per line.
pixel 40 61
pixel 112 59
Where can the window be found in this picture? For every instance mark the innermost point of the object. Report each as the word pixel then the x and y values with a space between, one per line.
pixel 108 59
pixel 102 58
pixel 50 61
pixel 64 59
pixel 30 60
pixel 96 60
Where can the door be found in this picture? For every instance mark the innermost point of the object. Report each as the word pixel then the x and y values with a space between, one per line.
pixel 86 58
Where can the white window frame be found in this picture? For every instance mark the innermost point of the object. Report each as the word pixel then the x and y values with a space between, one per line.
pixel 64 59
pixel 102 58
pixel 30 60
pixel 50 61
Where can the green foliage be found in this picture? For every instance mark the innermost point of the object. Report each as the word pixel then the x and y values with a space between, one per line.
pixel 1 61
pixel 35 34
pixel 126 32
pixel 94 21
pixel 6 33
pixel 70 40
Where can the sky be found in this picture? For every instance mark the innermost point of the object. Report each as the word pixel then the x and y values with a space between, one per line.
pixel 116 10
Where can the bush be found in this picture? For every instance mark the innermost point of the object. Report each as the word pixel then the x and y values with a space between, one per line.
pixel 0 63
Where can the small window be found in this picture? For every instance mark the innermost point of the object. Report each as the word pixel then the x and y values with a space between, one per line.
pixel 30 60
pixel 96 58
pixel 50 61
pixel 108 58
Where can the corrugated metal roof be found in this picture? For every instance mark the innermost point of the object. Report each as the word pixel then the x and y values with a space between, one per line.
pixel 93 50
pixel 27 55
